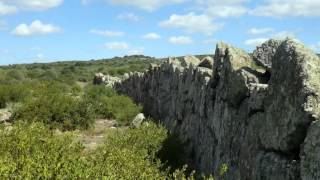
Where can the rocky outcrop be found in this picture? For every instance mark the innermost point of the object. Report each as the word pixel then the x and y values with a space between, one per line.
pixel 263 54
pixel 107 80
pixel 99 78
pixel 262 125
pixel 138 120
pixel 207 62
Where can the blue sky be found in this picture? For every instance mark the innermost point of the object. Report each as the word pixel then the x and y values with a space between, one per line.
pixel 50 30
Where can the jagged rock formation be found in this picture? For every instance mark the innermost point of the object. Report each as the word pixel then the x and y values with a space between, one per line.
pixel 263 54
pixel 107 80
pixel 262 125
pixel 99 78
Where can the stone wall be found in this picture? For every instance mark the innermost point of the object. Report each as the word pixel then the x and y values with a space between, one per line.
pixel 260 121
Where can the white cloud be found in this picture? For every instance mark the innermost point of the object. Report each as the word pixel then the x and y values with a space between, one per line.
pixel 180 40
pixel 225 11
pixel 116 46
pixel 107 33
pixel 151 36
pixel 192 23
pixel 283 35
pixel 223 8
pixel 259 31
pixel 278 35
pixel 40 56
pixel 35 28
pixel 129 17
pixel 137 51
pixel 220 2
pixel 255 42
pixel 7 9
pixel 3 25
pixel 283 8
pixel 33 5
pixel 149 5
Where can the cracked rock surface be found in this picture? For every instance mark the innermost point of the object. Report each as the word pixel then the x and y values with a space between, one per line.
pixel 261 125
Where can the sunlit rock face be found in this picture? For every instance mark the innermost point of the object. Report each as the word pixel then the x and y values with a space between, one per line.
pixel 260 121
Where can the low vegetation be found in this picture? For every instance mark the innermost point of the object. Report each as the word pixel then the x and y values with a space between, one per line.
pixel 72 71
pixel 32 151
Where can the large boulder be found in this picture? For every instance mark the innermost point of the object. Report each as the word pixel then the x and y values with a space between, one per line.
pixel 107 80
pixel 294 96
pixel 138 120
pixel 190 60
pixel 111 80
pixel 99 78
pixel 263 54
pixel 5 115
pixel 206 62
pixel 310 154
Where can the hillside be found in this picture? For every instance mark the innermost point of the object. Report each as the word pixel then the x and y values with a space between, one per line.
pixel 82 71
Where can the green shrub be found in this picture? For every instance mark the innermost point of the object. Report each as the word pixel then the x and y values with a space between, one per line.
pixel 40 88
pixel 13 93
pixel 131 154
pixel 120 108
pixel 34 152
pixel 57 110
pixel 16 74
pixel 95 92
pixel 107 104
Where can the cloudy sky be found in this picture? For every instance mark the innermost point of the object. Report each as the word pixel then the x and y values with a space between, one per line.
pixel 49 30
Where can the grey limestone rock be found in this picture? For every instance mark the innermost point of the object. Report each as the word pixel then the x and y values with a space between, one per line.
pixel 259 127
pixel 138 120
pixel 263 54
pixel 207 62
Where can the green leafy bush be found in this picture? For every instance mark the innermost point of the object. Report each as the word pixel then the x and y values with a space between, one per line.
pixel 13 93
pixel 120 108
pixel 131 154
pixel 95 92
pixel 34 152
pixel 57 110
pixel 108 104
pixel 16 74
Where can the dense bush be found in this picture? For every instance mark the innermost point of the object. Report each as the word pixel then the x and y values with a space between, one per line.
pixel 131 154
pixel 95 92
pixel 13 93
pixel 120 108
pixel 57 110
pixel 18 91
pixel 63 106
pixel 108 104
pixel 16 74
pixel 34 152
